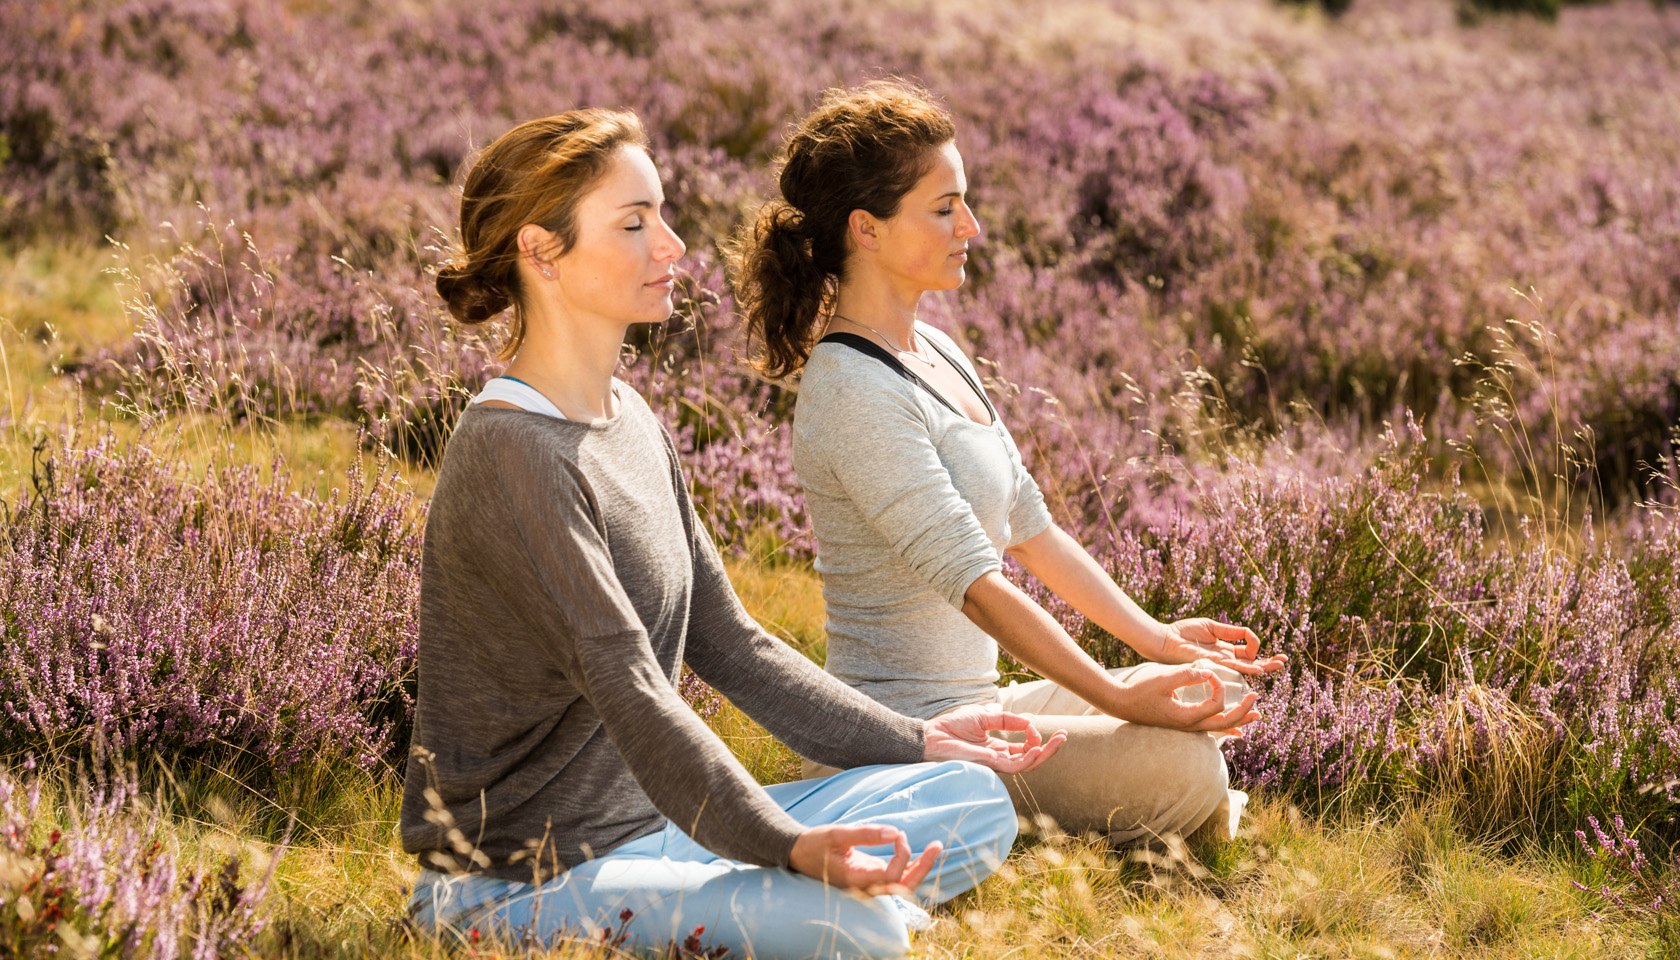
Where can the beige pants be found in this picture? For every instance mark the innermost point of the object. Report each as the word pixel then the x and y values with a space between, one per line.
pixel 1134 783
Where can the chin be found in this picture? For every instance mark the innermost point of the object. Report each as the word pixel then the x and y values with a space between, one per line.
pixel 657 312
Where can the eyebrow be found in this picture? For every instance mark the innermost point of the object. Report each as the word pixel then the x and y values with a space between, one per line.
pixel 947 196
pixel 645 204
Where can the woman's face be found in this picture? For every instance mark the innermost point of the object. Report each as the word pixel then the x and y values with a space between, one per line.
pixel 925 244
pixel 620 267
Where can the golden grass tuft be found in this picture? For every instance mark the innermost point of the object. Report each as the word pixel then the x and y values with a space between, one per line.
pixel 1499 765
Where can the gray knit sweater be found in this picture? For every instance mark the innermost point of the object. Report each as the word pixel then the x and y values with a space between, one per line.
pixel 911 502
pixel 565 580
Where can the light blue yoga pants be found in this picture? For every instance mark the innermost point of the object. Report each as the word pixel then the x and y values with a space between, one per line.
pixel 672 885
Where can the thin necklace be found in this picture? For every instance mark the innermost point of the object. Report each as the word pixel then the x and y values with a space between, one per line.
pixel 914 353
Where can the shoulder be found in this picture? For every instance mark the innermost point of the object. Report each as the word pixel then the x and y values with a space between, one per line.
pixel 484 430
pixel 631 402
pixel 857 403
pixel 840 376
pixel 513 453
pixel 937 335
pixel 945 342
pixel 639 424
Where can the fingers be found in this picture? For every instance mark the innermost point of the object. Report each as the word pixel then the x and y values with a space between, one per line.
pixel 1000 720
pixel 840 838
pixel 1252 668
pixel 901 877
pixel 919 868
pixel 1049 748
pixel 1009 722
pixel 1192 676
pixel 1230 720
pixel 1248 644
pixel 1029 759
pixel 1195 716
pixel 1246 667
pixel 1033 737
pixel 973 726
pixel 900 857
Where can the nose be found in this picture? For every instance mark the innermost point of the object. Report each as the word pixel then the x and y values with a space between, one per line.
pixel 671 247
pixel 968 225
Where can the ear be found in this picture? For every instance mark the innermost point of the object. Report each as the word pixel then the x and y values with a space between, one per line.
pixel 864 229
pixel 537 248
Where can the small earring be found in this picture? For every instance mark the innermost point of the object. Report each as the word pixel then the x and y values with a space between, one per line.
pixel 547 273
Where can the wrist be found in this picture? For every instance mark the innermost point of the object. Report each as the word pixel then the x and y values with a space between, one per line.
pixel 1116 701
pixel 799 855
pixel 1153 640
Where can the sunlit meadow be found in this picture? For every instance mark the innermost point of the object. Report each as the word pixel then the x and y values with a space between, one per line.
pixel 1359 327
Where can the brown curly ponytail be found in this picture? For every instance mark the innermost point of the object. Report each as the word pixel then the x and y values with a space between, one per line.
pixel 535 173
pixel 863 148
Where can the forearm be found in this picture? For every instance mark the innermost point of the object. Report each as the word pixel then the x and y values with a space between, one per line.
pixel 1034 637
pixel 820 717
pixel 686 771
pixel 1060 563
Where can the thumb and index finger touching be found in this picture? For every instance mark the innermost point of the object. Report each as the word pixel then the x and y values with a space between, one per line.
pixel 901 874
pixel 1212 713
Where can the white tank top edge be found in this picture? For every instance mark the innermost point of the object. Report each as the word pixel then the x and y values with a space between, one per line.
pixel 521 395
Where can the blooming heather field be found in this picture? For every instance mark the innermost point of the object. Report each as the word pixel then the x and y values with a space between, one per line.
pixel 1362 331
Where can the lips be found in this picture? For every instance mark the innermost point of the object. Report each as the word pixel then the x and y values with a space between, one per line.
pixel 663 283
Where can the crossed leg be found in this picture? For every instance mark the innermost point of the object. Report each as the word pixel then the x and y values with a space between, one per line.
pixel 671 885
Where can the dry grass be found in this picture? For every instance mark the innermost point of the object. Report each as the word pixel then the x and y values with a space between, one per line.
pixel 1400 883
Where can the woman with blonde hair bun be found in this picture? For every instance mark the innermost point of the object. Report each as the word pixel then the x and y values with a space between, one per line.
pixel 558 785
pixel 916 490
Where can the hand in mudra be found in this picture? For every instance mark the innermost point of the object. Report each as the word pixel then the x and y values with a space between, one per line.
pixel 966 734
pixel 830 854
pixel 1151 697
pixel 1224 644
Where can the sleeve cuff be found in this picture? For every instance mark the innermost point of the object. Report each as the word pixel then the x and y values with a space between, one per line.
pixel 1037 523
pixel 957 594
pixel 915 740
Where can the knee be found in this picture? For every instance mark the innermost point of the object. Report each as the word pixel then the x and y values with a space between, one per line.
pixel 1204 771
pixel 1196 764
pixel 980 786
pixel 873 930
pixel 970 779
pixel 987 819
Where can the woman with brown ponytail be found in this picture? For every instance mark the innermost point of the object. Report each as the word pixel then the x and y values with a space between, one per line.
pixel 916 490
pixel 558 784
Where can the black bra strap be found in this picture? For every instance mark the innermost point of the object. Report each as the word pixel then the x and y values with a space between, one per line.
pixel 873 349
pixel 868 347
pixel 963 372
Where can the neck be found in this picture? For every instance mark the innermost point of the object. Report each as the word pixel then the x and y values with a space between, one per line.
pixel 571 363
pixel 869 299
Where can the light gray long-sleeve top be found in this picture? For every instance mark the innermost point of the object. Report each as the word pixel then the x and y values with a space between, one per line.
pixel 911 502
pixel 565 579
